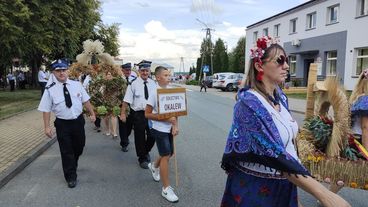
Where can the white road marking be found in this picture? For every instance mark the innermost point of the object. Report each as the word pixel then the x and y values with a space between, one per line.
pixel 32 192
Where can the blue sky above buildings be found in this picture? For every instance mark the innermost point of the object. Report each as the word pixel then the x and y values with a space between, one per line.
pixel 165 30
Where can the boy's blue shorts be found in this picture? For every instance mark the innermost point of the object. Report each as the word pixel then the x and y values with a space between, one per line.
pixel 164 142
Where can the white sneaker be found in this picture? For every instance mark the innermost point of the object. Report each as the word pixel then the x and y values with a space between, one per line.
pixel 155 171
pixel 169 194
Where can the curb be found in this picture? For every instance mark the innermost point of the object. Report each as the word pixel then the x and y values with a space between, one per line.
pixel 23 162
pixel 15 114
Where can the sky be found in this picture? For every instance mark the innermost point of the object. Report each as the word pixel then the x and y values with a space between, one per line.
pixel 163 31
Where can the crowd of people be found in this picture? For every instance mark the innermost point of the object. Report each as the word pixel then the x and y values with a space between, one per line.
pixel 260 157
pixel 66 99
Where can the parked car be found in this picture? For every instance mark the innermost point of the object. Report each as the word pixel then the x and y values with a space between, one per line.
pixel 209 81
pixel 238 80
pixel 224 81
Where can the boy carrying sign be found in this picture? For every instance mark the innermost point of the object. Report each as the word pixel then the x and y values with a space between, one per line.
pixel 163 131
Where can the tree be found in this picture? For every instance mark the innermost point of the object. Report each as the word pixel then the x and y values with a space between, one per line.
pixel 237 57
pixel 35 30
pixel 13 14
pixel 108 35
pixel 205 57
pixel 220 57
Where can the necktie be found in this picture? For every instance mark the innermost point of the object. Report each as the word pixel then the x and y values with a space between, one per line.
pixel 127 79
pixel 145 90
pixel 68 100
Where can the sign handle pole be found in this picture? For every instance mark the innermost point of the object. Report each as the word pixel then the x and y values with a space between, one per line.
pixel 176 164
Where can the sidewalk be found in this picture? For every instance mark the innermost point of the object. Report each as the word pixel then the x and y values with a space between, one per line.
pixel 22 139
pixel 295 105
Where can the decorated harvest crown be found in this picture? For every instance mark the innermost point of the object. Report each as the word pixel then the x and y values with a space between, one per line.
pixel 258 51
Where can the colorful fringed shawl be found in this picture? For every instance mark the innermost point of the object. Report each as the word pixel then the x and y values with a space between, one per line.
pixel 360 107
pixel 254 138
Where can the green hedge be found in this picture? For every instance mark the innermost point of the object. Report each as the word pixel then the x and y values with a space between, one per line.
pixel 192 82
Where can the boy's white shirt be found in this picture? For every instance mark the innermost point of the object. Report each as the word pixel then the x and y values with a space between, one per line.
pixel 161 126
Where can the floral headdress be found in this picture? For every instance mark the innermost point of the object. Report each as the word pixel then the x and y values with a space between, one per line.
pixel 258 51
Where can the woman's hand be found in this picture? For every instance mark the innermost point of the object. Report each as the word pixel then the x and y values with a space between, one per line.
pixel 330 199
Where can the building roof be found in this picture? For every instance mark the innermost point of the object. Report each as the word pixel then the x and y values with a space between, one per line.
pixel 306 4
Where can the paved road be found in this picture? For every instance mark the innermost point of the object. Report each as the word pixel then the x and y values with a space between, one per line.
pixel 109 177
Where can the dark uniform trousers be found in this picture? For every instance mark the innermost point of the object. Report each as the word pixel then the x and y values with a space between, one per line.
pixel 143 143
pixel 71 138
pixel 125 129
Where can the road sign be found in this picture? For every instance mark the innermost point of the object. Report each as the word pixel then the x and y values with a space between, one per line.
pixel 206 69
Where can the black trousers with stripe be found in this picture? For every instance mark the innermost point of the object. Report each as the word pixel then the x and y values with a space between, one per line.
pixel 71 137
pixel 142 136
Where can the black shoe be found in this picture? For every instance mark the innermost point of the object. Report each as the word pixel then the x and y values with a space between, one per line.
pixel 72 184
pixel 148 158
pixel 124 149
pixel 144 165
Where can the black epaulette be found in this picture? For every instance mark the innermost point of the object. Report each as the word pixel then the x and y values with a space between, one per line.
pixel 51 85
pixel 130 83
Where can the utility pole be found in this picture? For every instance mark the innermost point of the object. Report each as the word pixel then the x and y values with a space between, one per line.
pixel 208 48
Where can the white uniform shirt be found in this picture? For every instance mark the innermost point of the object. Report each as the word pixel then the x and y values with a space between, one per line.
pixel 130 78
pixel 135 93
pixel 53 100
pixel 86 82
pixel 287 128
pixel 42 76
pixel 161 126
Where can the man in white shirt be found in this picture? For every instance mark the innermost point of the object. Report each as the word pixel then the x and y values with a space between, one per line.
pixel 11 79
pixel 42 78
pixel 125 128
pixel 65 98
pixel 137 95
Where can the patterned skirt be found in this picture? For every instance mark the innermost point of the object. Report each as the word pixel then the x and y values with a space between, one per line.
pixel 245 190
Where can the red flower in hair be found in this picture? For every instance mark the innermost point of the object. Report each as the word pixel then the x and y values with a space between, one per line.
pixel 262 43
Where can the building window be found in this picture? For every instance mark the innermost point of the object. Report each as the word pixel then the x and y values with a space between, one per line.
pixel 255 37
pixel 292 65
pixel 311 20
pixel 333 13
pixel 331 63
pixel 265 32
pixel 362 60
pixel 292 29
pixel 362 7
pixel 276 30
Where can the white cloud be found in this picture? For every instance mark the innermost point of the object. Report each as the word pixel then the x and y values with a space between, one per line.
pixel 226 24
pixel 157 30
pixel 205 6
pixel 160 45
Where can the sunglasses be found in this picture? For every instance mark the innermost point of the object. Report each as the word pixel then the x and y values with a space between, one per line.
pixel 281 60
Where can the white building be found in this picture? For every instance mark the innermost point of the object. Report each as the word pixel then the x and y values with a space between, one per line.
pixel 333 33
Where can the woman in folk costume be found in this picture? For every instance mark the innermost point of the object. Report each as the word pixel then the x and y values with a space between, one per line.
pixel 359 112
pixel 260 157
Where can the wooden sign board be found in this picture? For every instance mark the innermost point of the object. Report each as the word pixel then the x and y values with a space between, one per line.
pixel 171 102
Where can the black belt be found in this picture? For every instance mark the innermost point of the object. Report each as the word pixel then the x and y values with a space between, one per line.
pixel 67 120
